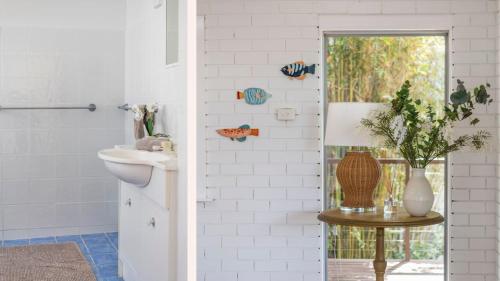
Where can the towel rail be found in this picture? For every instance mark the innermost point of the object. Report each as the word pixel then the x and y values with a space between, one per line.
pixel 127 107
pixel 91 107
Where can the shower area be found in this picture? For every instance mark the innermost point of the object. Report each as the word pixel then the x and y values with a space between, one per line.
pixel 61 80
pixel 51 181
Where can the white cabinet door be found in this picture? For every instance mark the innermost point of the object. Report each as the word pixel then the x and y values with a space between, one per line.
pixel 154 264
pixel 131 206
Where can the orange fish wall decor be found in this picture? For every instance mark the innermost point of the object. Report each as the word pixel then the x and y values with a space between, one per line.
pixel 240 134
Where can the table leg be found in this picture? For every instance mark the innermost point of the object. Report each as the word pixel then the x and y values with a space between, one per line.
pixel 379 264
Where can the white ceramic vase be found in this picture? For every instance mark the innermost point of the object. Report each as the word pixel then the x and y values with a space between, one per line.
pixel 418 197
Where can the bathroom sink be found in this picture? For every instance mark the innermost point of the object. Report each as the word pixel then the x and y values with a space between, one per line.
pixel 135 166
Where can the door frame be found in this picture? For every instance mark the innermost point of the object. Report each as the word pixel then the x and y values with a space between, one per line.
pixel 381 26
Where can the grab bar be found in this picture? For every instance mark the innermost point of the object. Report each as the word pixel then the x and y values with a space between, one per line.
pixel 91 107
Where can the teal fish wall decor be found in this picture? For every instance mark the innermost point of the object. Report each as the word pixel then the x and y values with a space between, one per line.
pixel 253 96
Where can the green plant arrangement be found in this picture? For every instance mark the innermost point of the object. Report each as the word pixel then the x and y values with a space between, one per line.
pixel 144 114
pixel 372 69
pixel 149 118
pixel 419 133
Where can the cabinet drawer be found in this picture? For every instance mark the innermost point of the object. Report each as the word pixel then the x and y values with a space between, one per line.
pixel 147 245
pixel 157 251
pixel 130 217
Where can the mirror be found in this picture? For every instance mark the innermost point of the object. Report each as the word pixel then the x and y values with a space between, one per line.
pixel 172 31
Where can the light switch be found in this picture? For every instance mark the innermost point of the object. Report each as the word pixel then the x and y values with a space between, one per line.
pixel 286 114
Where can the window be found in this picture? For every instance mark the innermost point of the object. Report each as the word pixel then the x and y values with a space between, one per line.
pixel 371 68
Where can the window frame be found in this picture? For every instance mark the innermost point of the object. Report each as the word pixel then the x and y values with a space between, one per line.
pixel 446 33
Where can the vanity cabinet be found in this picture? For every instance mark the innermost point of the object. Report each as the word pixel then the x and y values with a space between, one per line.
pixel 147 232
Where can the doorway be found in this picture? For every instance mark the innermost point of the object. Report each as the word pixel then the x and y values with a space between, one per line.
pixel 371 68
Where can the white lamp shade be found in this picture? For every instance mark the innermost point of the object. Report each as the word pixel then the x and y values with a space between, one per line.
pixel 343 125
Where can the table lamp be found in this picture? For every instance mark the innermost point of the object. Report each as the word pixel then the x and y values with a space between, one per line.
pixel 358 172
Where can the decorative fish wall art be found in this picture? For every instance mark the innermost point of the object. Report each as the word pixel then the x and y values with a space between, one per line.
pixel 298 70
pixel 240 134
pixel 253 96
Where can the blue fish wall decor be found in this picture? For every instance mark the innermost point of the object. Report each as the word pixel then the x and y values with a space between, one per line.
pixel 298 70
pixel 253 96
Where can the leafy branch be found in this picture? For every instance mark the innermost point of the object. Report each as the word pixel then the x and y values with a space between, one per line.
pixel 417 131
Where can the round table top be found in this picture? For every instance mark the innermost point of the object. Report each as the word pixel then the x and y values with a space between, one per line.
pixel 377 219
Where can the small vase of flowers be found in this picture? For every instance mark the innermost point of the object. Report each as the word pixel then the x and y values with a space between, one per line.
pixel 421 134
pixel 144 116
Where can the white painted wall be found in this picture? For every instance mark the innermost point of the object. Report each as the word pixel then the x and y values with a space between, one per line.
pixel 109 14
pixel 262 224
pixel 147 77
pixel 59 53
pixel 149 80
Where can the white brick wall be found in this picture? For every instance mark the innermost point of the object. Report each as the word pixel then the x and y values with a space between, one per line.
pixel 262 224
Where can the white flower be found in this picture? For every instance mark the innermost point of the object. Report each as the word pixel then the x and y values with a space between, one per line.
pixel 397 123
pixel 152 107
pixel 138 112
pixel 399 130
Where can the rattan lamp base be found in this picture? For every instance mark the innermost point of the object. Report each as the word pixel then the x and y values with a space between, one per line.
pixel 358 174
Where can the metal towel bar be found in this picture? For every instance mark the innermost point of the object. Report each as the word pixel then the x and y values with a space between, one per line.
pixel 127 107
pixel 91 107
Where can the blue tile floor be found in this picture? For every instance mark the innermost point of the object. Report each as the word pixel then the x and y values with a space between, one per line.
pixel 99 249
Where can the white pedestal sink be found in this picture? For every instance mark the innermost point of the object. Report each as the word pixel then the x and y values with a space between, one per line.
pixel 135 166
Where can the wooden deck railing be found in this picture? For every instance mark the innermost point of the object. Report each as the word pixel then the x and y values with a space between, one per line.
pixel 396 161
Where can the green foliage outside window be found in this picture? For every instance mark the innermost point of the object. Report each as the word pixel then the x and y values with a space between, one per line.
pixel 372 69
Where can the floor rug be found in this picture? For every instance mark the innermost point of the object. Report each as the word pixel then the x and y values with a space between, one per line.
pixel 55 262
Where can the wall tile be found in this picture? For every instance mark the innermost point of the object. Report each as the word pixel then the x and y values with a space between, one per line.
pixel 47 156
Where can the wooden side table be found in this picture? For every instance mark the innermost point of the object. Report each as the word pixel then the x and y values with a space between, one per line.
pixel 380 222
